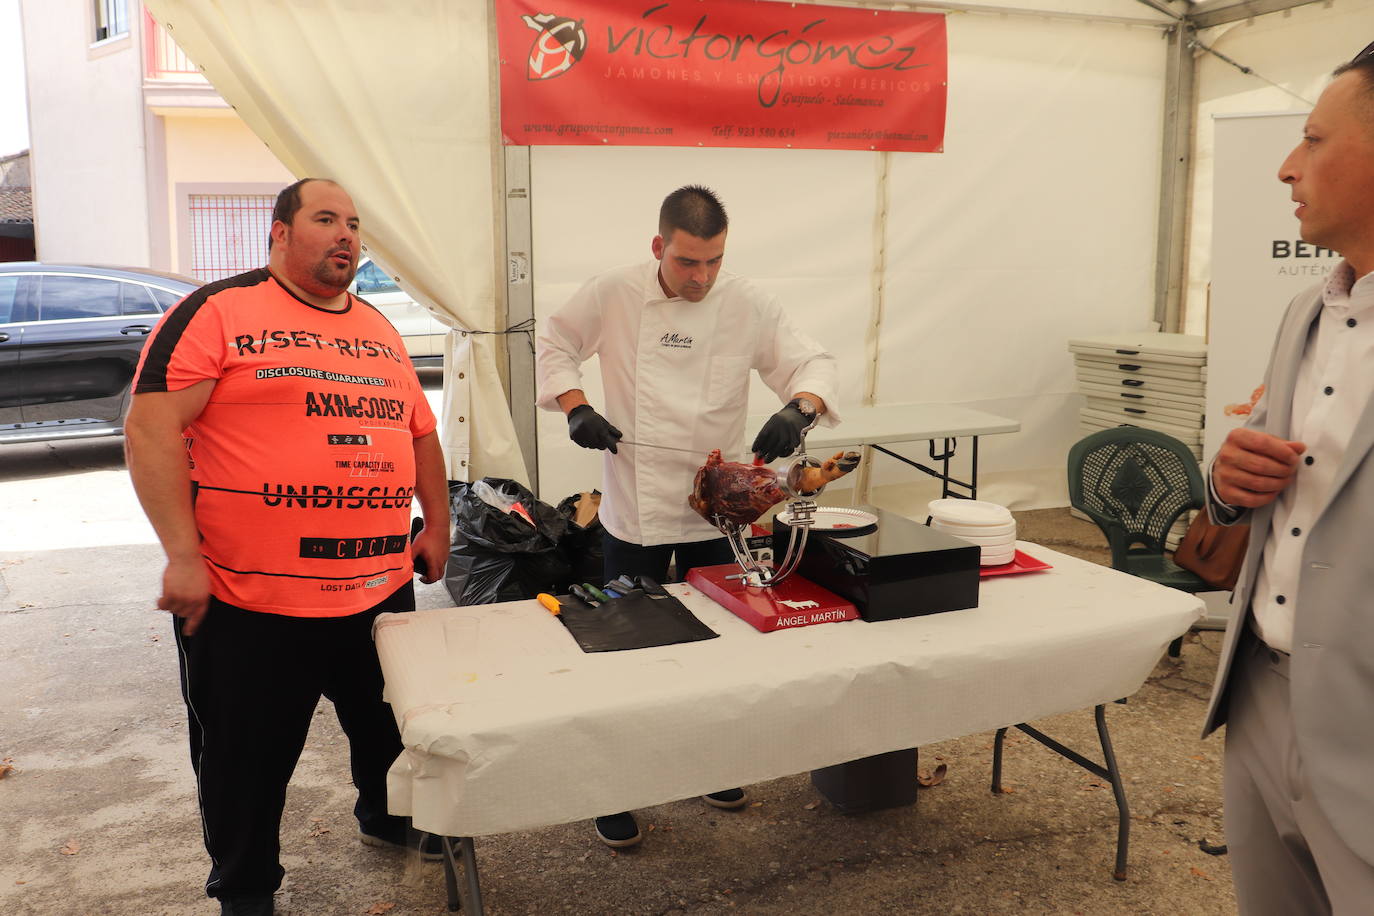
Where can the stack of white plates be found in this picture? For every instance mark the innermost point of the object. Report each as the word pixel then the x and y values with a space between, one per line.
pixel 985 524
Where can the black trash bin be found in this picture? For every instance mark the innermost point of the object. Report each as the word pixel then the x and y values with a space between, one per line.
pixel 869 783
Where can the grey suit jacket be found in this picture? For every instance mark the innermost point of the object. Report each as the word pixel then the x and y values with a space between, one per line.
pixel 1332 667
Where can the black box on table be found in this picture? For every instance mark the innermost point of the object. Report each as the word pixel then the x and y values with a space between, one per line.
pixel 896 568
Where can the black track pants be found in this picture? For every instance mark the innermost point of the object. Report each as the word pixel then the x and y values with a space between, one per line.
pixel 251 682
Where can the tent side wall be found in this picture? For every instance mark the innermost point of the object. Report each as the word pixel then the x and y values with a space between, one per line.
pixel 1035 225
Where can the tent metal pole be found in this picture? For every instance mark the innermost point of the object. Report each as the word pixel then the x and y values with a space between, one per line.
pixel 878 302
pixel 1176 159
pixel 520 306
pixel 511 165
pixel 952 6
pixel 1220 12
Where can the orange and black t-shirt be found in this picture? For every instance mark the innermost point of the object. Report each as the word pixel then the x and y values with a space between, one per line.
pixel 303 460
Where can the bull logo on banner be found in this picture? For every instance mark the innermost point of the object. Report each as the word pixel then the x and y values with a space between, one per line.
pixel 560 43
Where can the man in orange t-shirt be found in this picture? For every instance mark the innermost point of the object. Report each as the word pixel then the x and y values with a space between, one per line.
pixel 277 436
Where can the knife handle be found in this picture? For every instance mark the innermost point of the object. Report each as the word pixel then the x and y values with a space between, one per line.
pixel 583 595
pixel 623 583
pixel 650 586
pixel 596 593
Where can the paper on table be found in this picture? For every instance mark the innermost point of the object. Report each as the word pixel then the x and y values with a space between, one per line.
pixel 552 738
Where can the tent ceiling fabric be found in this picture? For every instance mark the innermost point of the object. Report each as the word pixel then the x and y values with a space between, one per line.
pixel 333 88
pixel 1124 12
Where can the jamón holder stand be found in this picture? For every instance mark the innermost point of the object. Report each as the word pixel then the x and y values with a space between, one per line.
pixel 801 510
pixel 755 592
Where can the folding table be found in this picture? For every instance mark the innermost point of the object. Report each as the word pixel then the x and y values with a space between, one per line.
pixel 508 725
pixel 883 427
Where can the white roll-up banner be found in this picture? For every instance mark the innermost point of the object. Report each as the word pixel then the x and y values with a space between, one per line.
pixel 1259 262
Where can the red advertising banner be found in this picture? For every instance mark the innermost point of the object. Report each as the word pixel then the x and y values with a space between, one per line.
pixel 752 73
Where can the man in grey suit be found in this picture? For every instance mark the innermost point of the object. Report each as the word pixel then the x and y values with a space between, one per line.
pixel 1296 681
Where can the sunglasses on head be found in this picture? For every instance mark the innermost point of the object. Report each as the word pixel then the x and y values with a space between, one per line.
pixel 1364 55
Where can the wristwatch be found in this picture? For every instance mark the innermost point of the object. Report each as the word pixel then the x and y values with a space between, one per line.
pixel 807 409
pixel 805 406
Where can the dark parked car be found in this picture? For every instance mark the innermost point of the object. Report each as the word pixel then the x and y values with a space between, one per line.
pixel 70 337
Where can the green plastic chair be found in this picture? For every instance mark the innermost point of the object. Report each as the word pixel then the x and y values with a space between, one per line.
pixel 1135 483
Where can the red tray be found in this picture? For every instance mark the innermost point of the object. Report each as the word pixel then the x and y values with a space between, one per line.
pixel 1021 563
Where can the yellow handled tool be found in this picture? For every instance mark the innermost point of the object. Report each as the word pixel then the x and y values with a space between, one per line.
pixel 550 602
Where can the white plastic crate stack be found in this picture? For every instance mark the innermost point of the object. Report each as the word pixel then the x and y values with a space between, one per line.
pixel 1156 381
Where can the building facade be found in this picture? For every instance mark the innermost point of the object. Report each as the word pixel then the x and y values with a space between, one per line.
pixel 16 208
pixel 135 158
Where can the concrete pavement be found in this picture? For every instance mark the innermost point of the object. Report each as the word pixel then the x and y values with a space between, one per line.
pixel 101 817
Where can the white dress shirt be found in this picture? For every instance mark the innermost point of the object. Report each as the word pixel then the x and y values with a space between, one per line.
pixel 675 373
pixel 1334 383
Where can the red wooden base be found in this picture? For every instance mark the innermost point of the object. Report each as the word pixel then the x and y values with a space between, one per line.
pixel 795 602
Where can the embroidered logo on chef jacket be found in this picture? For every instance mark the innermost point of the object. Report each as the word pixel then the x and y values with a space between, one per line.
pixel 560 43
pixel 676 341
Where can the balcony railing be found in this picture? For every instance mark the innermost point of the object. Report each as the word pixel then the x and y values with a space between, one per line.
pixel 166 61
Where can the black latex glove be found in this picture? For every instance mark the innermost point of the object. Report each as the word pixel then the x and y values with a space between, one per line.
pixel 781 434
pixel 590 429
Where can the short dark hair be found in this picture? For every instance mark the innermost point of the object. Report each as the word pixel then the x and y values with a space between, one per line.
pixel 1362 63
pixel 288 204
pixel 695 210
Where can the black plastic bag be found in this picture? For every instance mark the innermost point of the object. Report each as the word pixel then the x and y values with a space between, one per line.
pixel 582 545
pixel 499 556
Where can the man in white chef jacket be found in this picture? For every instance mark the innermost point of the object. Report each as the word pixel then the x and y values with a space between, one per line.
pixel 677 339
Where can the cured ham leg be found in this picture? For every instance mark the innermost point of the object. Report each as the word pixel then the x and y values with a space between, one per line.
pixel 740 493
pixel 733 492
pixel 810 480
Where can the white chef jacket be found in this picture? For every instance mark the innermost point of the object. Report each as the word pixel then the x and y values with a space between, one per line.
pixel 675 373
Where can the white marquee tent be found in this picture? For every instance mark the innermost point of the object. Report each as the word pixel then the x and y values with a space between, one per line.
pixel 1072 199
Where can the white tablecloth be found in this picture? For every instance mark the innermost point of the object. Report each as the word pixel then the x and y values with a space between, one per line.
pixel 508 725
